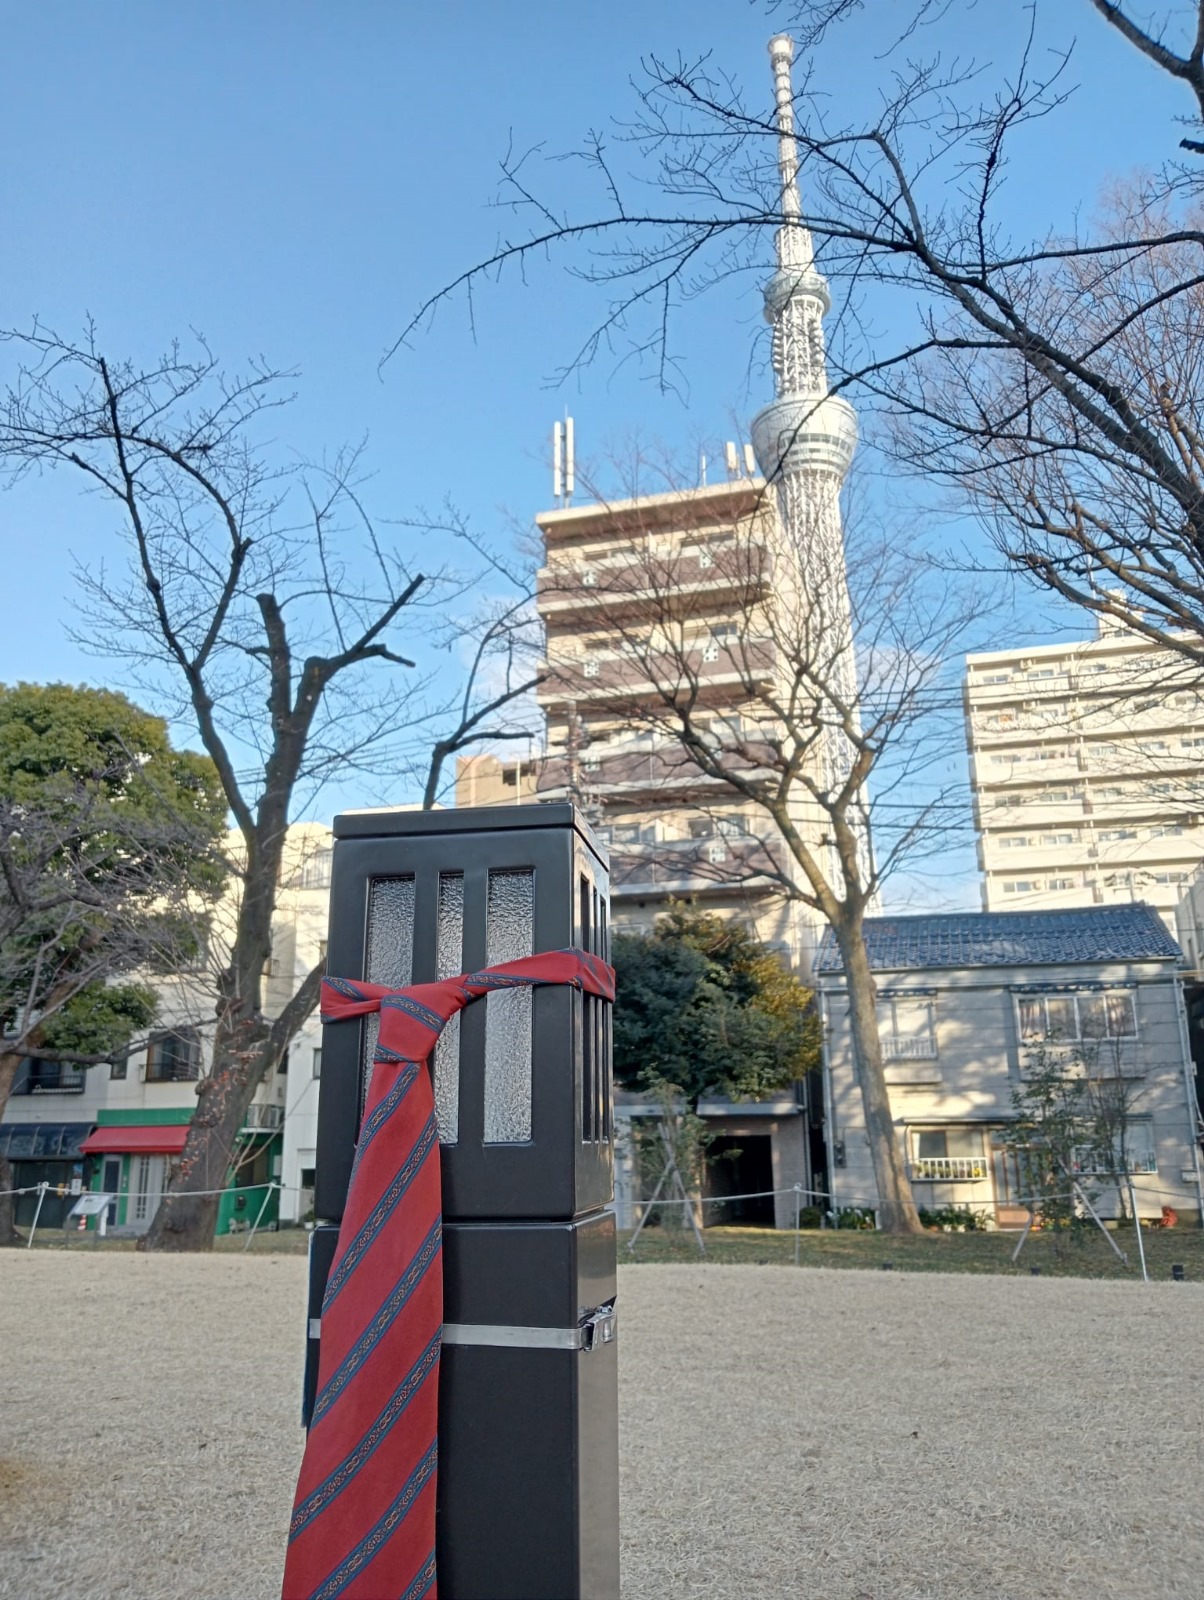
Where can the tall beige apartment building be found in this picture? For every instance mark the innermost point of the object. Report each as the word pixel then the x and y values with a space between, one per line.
pixel 1087 766
pixel 698 561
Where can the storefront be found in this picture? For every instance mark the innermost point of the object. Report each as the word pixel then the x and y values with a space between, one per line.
pixel 50 1153
pixel 132 1153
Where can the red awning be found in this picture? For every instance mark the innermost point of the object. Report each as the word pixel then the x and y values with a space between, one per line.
pixel 166 1139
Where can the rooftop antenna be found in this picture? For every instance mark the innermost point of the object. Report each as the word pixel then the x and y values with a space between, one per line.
pixel 750 461
pixel 564 465
pixel 731 459
pixel 702 469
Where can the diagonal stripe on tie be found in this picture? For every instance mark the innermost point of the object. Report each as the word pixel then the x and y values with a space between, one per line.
pixel 363 1522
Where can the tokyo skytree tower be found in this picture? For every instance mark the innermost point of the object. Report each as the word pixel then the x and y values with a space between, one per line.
pixel 804 442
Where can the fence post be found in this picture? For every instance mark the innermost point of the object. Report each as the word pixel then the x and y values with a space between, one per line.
pixel 267 1196
pixel 33 1228
pixel 1145 1276
pixel 798 1205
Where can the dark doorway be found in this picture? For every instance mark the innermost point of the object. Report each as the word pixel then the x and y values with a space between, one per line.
pixel 740 1165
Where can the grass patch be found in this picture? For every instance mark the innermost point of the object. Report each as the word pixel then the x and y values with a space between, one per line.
pixel 1085 1255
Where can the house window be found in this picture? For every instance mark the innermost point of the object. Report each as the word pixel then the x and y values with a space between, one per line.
pixel 1097 1014
pixel 315 871
pixel 174 1057
pixel 1132 1151
pixel 48 1077
pixel 905 1028
pixel 308 1177
pixel 317 1059
pixel 948 1155
pixel 119 1069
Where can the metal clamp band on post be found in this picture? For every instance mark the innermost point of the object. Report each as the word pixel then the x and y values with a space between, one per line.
pixel 598 1327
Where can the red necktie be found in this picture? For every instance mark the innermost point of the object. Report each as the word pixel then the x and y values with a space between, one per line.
pixel 363 1522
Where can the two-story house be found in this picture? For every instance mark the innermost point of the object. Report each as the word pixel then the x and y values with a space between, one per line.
pixel 968 1004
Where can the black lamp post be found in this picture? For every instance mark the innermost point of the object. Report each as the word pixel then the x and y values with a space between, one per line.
pixel 528 1400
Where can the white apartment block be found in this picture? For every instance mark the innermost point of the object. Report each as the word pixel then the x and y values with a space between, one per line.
pixel 1087 769
pixel 118 1127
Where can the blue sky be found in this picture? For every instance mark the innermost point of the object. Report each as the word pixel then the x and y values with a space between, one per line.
pixel 294 178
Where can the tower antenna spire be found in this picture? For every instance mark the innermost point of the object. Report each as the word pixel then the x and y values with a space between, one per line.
pixel 794 248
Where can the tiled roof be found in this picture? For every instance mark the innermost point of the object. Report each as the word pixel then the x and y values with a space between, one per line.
pixel 1010 938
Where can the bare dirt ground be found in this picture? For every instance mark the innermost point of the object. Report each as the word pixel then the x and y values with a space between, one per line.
pixel 787 1434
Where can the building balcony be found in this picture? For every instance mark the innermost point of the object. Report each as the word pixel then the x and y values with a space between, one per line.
pixel 680 585
pixel 950 1169
pixel 262 1117
pixel 719 674
pixel 897 1048
pixel 49 1077
pixel 663 772
pixel 697 866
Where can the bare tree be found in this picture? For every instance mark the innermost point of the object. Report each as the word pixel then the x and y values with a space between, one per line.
pixel 826 780
pixel 1052 381
pixel 263 603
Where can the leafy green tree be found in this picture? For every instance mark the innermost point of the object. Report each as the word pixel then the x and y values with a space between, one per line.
pixel 704 1006
pixel 109 857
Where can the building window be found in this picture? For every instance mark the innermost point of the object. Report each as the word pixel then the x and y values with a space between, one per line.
pixel 308 1177
pixel 1110 834
pixel 948 1155
pixel 905 1028
pixel 1060 883
pixel 282 1064
pixel 174 1057
pixel 1096 1014
pixel 317 1058
pixel 315 870
pixel 1015 841
pixel 35 1076
pixel 1132 1150
pixel 1057 838
pixel 1022 886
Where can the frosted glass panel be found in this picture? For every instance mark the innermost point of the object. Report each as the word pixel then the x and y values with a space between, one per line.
pixel 509 935
pixel 390 951
pixel 450 961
